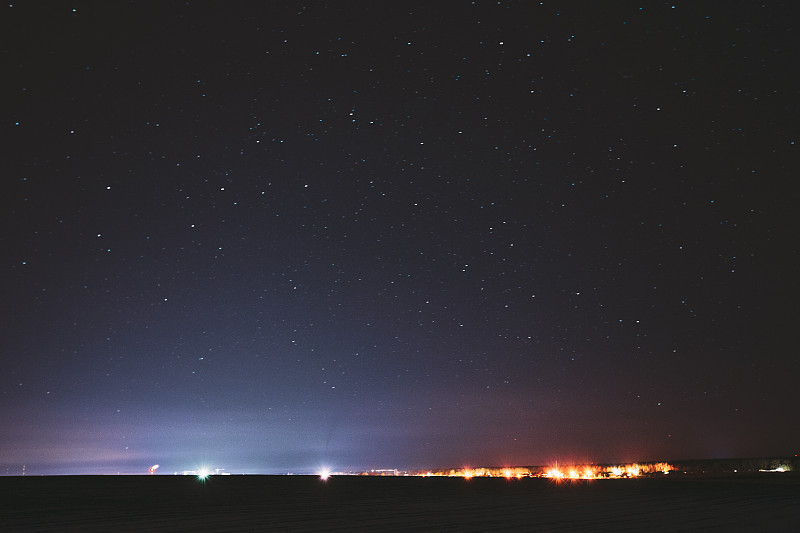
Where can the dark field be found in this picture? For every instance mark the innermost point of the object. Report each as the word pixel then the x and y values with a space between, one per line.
pixel 769 502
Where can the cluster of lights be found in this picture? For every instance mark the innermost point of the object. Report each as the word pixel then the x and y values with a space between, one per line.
pixel 572 473
pixel 595 473
pixel 626 471
pixel 559 472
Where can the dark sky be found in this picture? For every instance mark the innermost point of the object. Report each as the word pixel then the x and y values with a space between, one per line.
pixel 271 236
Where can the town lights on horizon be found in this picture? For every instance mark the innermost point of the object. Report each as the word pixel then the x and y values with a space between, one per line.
pixel 570 472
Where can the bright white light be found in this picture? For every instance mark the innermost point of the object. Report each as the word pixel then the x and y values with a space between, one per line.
pixel 203 473
pixel 325 473
pixel 555 473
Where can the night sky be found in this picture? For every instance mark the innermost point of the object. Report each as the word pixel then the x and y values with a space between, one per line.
pixel 272 236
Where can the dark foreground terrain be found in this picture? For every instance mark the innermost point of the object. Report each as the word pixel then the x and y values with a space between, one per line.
pixel 770 502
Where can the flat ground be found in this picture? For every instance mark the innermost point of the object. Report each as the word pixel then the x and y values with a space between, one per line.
pixel 769 502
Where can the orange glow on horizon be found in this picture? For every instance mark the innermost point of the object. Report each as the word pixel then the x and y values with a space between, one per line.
pixel 565 472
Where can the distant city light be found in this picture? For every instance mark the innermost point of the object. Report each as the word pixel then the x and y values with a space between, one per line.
pixel 557 473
